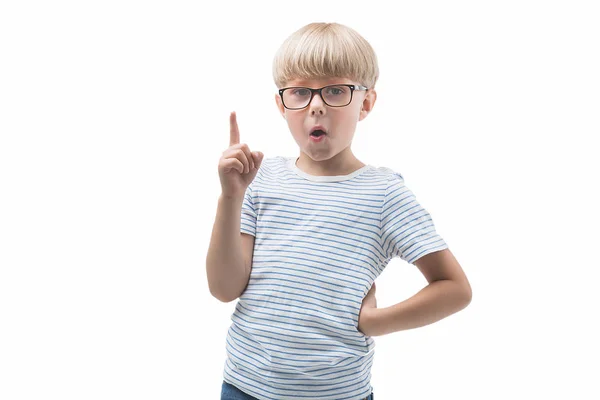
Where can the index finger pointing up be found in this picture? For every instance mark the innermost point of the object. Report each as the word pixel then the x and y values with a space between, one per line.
pixel 234 132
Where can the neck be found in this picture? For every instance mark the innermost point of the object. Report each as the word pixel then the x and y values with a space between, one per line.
pixel 343 163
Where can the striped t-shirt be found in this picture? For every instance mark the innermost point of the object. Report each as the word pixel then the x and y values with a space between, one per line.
pixel 320 242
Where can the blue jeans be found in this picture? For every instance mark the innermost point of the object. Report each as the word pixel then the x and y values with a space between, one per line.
pixel 230 392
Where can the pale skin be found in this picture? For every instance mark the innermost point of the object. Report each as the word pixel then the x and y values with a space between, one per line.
pixel 229 256
pixel 238 165
pixel 333 155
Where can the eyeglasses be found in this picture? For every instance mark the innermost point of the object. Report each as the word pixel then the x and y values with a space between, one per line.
pixel 296 98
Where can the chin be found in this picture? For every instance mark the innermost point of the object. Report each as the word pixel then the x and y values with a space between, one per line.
pixel 321 156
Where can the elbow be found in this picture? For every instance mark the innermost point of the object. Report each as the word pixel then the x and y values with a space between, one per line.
pixel 462 294
pixel 222 297
pixel 467 295
pixel 218 295
pixel 467 301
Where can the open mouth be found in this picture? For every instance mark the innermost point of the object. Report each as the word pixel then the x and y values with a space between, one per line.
pixel 317 133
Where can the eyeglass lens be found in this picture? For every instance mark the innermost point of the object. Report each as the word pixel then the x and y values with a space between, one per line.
pixel 335 96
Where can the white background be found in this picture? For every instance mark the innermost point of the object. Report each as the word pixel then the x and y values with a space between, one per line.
pixel 113 116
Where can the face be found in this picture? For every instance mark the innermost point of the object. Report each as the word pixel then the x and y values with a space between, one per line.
pixel 339 123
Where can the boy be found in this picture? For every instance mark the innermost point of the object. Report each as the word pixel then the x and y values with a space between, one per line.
pixel 316 231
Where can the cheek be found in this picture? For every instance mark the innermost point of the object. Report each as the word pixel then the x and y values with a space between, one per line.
pixel 294 128
pixel 294 122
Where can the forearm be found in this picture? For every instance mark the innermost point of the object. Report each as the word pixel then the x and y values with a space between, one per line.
pixel 436 301
pixel 225 266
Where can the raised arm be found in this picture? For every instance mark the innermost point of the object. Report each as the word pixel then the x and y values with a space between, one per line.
pixel 229 257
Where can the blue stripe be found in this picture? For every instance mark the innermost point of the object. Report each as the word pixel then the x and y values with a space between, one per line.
pixel 284 233
pixel 325 244
pixel 276 258
pixel 241 317
pixel 286 343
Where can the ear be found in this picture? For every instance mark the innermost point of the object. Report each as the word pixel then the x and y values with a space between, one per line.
pixel 280 105
pixel 367 104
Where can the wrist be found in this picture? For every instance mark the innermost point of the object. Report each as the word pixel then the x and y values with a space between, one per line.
pixel 225 198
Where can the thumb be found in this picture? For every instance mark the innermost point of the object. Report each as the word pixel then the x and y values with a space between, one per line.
pixel 257 156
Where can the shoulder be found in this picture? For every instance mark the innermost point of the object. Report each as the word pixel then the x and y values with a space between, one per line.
pixel 388 175
pixel 270 164
pixel 272 167
pixel 274 162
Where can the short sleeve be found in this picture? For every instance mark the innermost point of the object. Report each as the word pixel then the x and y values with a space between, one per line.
pixel 248 220
pixel 407 229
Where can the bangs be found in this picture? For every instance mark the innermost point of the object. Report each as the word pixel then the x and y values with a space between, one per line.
pixel 322 50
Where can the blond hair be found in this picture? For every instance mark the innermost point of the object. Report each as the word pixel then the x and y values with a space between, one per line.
pixel 325 50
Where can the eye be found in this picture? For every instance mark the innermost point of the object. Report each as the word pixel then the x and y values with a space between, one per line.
pixel 300 92
pixel 336 90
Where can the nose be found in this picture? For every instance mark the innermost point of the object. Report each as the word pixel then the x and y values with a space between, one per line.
pixel 316 105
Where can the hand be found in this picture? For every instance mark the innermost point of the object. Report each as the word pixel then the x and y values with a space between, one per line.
pixel 369 304
pixel 238 165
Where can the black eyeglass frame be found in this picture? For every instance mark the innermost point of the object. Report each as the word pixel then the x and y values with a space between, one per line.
pixel 314 91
